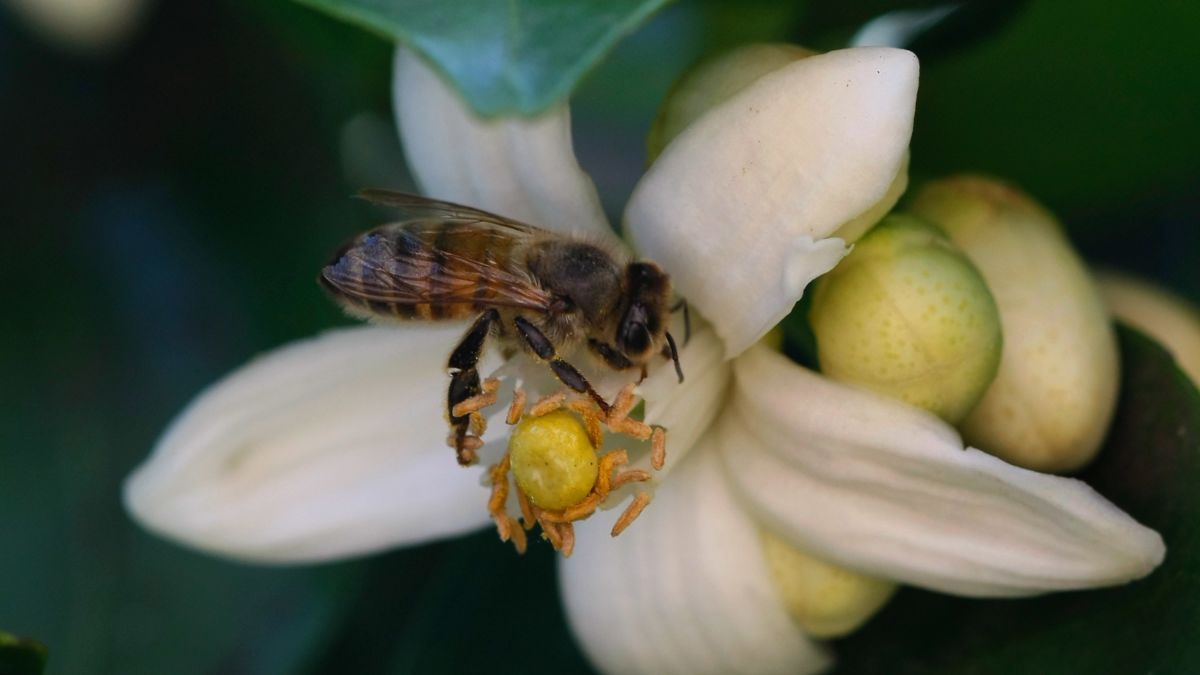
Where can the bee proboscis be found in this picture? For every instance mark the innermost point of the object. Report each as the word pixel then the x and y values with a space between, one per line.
pixel 533 289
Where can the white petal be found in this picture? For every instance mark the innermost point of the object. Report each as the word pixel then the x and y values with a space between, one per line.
pixel 684 589
pixel 520 167
pixel 324 448
pixel 734 201
pixel 687 409
pixel 888 489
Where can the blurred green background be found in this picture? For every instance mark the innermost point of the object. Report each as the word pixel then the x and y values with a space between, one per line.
pixel 167 202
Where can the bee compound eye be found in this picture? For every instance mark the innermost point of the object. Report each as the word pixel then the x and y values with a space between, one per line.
pixel 635 339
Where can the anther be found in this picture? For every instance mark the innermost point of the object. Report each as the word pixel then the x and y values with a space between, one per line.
pixel 478 401
pixel 548 404
pixel 640 500
pixel 517 409
pixel 658 448
pixel 630 476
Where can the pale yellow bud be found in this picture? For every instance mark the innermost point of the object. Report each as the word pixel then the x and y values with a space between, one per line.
pixel 907 315
pixel 1053 397
pixel 826 600
pixel 552 460
pixel 1162 315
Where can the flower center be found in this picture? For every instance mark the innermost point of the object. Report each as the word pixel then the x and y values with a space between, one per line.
pixel 558 475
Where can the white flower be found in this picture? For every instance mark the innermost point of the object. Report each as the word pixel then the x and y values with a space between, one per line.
pixel 334 446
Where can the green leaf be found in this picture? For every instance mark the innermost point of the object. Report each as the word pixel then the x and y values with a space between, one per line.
pixel 518 56
pixel 20 656
pixel 1149 466
pixel 1084 108
pixel 472 605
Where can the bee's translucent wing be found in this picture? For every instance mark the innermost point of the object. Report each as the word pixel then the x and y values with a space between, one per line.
pixel 454 264
pixel 416 207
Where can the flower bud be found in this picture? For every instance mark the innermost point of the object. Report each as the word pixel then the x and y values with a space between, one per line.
pixel 1162 315
pixel 907 315
pixel 826 600
pixel 553 460
pixel 1053 397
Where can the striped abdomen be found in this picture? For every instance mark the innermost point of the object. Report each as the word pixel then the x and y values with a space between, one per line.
pixel 432 269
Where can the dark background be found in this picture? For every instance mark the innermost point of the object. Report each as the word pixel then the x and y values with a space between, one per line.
pixel 165 206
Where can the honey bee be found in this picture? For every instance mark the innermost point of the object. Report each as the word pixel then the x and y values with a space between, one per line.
pixel 534 290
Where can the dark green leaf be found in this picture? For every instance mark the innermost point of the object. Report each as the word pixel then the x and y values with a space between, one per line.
pixel 1150 467
pixel 468 606
pixel 518 56
pixel 799 342
pixel 1086 106
pixel 21 657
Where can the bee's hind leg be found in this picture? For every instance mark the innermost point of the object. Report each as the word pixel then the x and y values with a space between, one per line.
pixel 565 372
pixel 464 383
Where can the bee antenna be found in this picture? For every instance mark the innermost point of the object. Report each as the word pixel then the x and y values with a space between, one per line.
pixel 687 319
pixel 675 356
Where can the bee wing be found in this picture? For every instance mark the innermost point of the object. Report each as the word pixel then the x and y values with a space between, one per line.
pixel 374 269
pixel 416 207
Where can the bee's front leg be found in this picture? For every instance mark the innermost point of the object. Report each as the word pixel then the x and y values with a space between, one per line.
pixel 464 380
pixel 565 372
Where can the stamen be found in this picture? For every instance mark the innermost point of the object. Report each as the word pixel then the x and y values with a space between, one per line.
pixel 548 404
pixel 630 476
pixel 518 536
pixel 623 404
pixel 550 532
pixel 658 448
pixel 502 527
pixel 499 477
pixel 478 424
pixel 557 524
pixel 478 401
pixel 517 409
pixel 631 427
pixel 527 519
pixel 640 500
pixel 568 539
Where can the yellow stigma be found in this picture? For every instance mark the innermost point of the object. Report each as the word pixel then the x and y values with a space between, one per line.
pixel 553 460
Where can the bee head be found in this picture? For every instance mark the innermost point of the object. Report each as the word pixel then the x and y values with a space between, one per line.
pixel 642 327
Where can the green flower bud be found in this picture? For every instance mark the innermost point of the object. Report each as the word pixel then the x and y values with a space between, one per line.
pixel 1056 388
pixel 907 315
pixel 553 460
pixel 1162 315
pixel 827 601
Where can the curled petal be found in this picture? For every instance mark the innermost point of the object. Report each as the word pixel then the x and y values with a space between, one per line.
pixel 888 489
pixel 738 207
pixel 684 589
pixel 687 409
pixel 1164 316
pixel 324 448
pixel 520 167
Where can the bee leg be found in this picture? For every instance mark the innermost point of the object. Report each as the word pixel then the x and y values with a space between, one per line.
pixel 464 381
pixel 615 359
pixel 565 372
